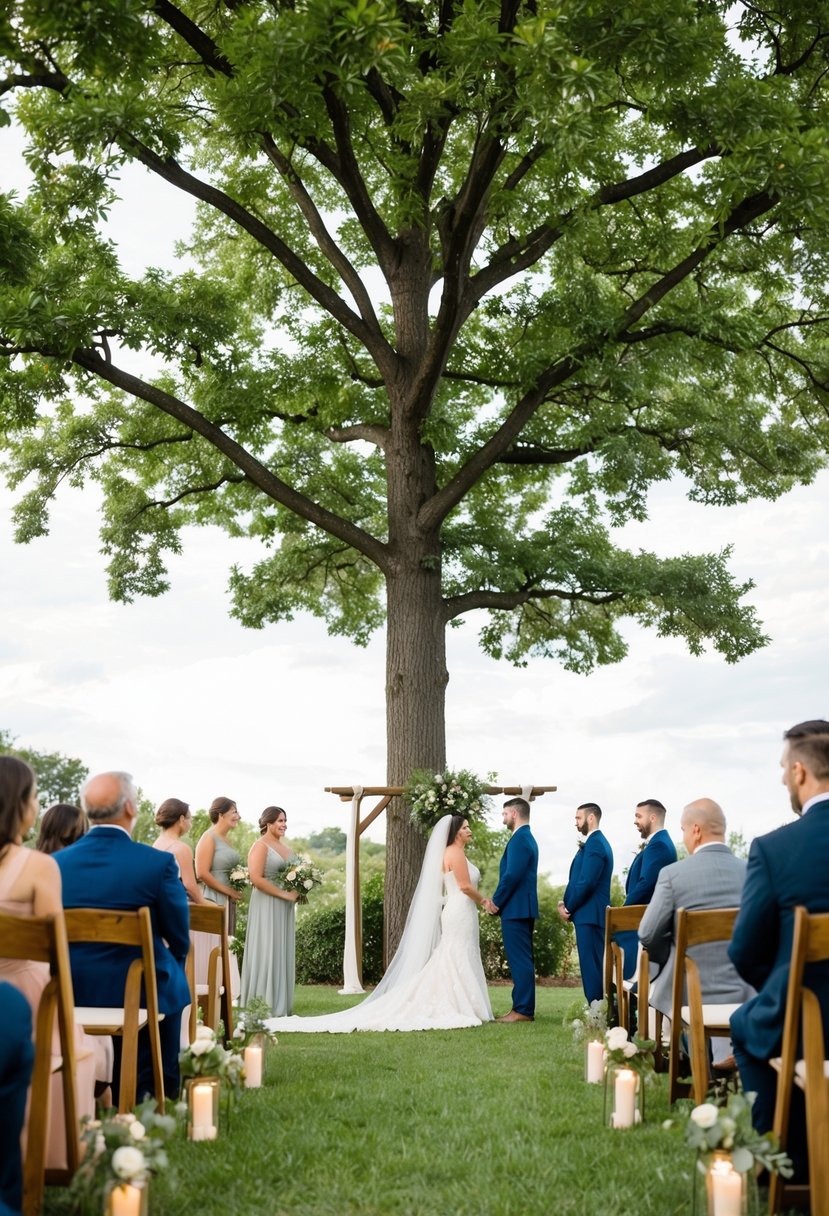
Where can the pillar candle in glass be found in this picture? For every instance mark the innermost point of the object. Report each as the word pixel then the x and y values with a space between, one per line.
pixel 128 1199
pixel 594 1062
pixel 254 1058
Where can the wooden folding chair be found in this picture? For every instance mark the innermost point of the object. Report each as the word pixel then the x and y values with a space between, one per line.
pixel 618 920
pixel 42 939
pixel 814 1080
pixel 703 1021
pixel 212 919
pixel 124 928
pixel 810 944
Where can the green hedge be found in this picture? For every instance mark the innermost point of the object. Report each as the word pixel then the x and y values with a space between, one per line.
pixel 320 937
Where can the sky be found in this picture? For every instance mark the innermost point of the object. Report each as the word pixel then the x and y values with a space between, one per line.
pixel 195 706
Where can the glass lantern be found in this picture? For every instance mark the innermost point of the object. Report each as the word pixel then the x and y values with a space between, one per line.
pixel 624 1097
pixel 724 1191
pixel 253 1055
pixel 128 1198
pixel 203 1107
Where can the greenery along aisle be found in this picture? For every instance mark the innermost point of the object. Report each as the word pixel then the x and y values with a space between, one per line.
pixel 487 1122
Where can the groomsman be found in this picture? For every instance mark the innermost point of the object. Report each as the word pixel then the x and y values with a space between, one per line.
pixel 515 900
pixel 587 896
pixel 657 851
pixel 786 868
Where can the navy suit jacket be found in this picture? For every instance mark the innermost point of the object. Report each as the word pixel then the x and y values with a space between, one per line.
pixel 105 869
pixel 588 887
pixel 786 868
pixel 644 871
pixel 516 895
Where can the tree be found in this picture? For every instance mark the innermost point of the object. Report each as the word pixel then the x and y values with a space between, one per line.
pixel 466 280
pixel 329 840
pixel 59 777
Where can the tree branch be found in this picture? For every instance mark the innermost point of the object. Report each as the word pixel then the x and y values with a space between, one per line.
pixel 457 605
pixel 165 503
pixel 194 36
pixel 377 435
pixel 253 469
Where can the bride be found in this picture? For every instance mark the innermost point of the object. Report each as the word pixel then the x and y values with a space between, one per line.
pixel 435 980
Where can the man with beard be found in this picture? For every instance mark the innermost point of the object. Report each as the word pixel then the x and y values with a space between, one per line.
pixel 656 851
pixel 786 868
pixel 586 897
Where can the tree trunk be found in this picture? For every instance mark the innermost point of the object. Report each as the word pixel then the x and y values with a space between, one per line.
pixel 416 679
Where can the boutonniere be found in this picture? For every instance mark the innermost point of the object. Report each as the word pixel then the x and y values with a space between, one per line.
pixel 642 846
pixel 580 844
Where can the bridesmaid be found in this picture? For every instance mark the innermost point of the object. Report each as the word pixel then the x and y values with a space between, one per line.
pixel 173 817
pixel 268 968
pixel 215 858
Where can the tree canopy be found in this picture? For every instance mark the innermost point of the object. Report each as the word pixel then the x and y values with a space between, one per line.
pixel 59 777
pixel 466 280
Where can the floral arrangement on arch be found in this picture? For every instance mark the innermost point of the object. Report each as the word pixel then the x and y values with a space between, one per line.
pixel 588 1021
pixel 301 876
pixel 206 1057
pixel 120 1149
pixel 432 795
pixel 709 1128
pixel 624 1052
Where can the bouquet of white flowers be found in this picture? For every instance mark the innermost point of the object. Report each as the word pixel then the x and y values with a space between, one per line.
pixel 709 1129
pixel 300 876
pixel 120 1149
pixel 206 1057
pixel 635 1054
pixel 239 879
pixel 589 1021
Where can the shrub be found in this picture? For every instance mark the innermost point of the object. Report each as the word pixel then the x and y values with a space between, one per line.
pixel 320 938
pixel 550 942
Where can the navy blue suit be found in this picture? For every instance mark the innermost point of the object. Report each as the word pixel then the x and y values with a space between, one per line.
pixel 660 851
pixel 516 898
pixel 106 869
pixel 586 898
pixel 16 1058
pixel 786 868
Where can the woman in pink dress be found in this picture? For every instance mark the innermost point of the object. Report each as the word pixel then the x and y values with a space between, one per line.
pixel 30 885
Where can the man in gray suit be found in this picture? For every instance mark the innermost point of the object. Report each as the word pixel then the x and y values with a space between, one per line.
pixel 710 877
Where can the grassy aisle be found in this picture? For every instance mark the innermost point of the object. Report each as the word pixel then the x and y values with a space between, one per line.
pixel 494 1121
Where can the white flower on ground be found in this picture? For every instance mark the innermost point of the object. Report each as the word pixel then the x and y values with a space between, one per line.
pixel 128 1162
pixel 200 1047
pixel 706 1115
pixel 616 1038
pixel 205 1032
pixel 629 1049
pixel 137 1130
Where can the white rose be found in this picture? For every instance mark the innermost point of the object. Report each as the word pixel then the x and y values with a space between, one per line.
pixel 128 1162
pixel 630 1049
pixel 706 1115
pixel 100 1144
pixel 308 884
pixel 291 876
pixel 616 1038
pixel 205 1032
pixel 437 776
pixel 200 1047
pixel 137 1130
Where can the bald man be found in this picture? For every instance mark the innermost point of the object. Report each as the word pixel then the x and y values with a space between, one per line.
pixel 106 868
pixel 710 877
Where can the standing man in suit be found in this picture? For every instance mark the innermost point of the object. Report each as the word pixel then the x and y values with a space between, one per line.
pixel 107 869
pixel 710 877
pixel 515 900
pixel 786 868
pixel 656 851
pixel 587 895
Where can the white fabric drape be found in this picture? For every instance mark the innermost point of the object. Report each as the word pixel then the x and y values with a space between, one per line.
pixel 351 964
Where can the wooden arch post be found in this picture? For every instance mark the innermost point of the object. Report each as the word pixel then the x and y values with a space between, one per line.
pixel 353 947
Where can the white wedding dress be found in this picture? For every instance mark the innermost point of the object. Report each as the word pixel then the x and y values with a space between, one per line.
pixel 436 980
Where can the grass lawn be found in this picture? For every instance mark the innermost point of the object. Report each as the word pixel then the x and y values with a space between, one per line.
pixel 492 1121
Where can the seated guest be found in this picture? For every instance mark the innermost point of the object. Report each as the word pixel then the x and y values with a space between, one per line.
pixel 710 877
pixel 786 868
pixel 656 851
pixel 107 869
pixel 30 886
pixel 60 826
pixel 17 1055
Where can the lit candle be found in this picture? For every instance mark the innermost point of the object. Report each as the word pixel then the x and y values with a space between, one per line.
pixel 726 1189
pixel 203 1127
pixel 625 1098
pixel 125 1200
pixel 595 1062
pixel 253 1067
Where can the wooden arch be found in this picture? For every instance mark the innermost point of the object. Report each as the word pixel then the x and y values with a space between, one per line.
pixel 353 948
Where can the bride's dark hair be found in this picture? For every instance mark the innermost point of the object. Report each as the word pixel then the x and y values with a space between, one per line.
pixel 454 827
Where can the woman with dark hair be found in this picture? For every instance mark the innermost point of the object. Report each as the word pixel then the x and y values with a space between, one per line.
pixel 436 979
pixel 61 826
pixel 30 885
pixel 174 818
pixel 269 965
pixel 215 858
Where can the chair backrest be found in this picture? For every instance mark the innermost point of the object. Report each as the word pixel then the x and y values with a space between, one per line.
pixel 42 939
pixel 693 928
pixel 618 920
pixel 210 919
pixel 126 928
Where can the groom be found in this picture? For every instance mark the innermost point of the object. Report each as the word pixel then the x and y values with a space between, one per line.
pixel 515 900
